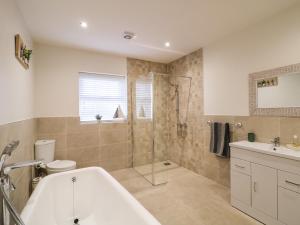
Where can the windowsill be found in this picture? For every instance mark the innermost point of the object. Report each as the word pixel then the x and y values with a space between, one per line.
pixel 144 119
pixel 103 121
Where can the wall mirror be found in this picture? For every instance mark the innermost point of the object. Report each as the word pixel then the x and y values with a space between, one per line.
pixel 275 92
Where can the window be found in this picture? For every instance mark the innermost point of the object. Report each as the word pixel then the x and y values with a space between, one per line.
pixel 144 98
pixel 103 95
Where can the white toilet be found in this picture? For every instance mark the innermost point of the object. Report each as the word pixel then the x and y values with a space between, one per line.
pixel 44 150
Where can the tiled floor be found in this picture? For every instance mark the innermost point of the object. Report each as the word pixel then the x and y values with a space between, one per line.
pixel 158 167
pixel 187 199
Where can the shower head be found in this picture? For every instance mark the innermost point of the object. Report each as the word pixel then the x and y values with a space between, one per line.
pixel 7 152
pixel 10 147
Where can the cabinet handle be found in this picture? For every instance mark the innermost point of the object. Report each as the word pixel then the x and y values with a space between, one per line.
pixel 242 167
pixel 292 183
pixel 254 186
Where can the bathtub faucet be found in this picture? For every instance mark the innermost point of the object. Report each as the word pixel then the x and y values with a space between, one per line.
pixel 6 186
pixel 10 167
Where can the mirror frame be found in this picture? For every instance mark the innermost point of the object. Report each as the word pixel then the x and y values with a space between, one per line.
pixel 280 71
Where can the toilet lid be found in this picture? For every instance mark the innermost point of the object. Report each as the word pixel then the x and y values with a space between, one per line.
pixel 61 165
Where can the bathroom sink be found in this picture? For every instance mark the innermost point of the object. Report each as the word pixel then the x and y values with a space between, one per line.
pixel 268 149
pixel 293 147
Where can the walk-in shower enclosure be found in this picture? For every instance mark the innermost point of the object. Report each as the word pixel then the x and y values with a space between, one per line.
pixel 159 114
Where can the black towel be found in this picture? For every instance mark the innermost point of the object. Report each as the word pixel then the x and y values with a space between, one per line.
pixel 220 139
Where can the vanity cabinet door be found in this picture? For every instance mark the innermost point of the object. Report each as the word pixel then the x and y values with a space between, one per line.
pixel 264 189
pixel 288 206
pixel 241 187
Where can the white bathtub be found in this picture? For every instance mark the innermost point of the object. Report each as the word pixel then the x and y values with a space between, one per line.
pixel 98 200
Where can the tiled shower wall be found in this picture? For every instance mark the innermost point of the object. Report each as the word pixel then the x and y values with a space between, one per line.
pixel 25 132
pixel 187 151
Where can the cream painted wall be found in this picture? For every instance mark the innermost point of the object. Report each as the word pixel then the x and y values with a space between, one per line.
pixel 56 77
pixel 16 83
pixel 227 63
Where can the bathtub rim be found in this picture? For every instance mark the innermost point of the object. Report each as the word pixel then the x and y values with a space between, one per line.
pixel 137 206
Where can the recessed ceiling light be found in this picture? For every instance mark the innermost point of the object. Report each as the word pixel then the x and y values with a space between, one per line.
pixel 167 44
pixel 83 24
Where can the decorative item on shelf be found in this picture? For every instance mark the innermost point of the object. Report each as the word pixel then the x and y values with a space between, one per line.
pixel 119 113
pixel 251 137
pixel 234 125
pixel 142 112
pixel 295 145
pixel 269 82
pixel 21 52
pixel 98 117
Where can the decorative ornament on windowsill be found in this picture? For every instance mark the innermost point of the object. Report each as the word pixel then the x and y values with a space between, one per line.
pixel 142 112
pixel 119 115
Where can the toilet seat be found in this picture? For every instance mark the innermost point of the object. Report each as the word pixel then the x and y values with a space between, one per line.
pixel 60 166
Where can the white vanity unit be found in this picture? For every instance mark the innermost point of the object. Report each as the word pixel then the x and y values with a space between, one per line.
pixel 265 183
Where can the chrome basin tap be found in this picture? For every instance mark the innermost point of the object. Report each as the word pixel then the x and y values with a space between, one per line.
pixel 276 142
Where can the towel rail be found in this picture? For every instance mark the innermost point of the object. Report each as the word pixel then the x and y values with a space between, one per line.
pixel 236 125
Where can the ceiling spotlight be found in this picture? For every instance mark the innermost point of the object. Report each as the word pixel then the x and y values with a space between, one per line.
pixel 167 44
pixel 83 24
pixel 129 35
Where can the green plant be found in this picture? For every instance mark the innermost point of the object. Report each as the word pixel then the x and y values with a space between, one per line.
pixel 27 53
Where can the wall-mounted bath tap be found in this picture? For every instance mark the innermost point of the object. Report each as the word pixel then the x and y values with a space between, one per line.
pixel 7 168
pixel 6 186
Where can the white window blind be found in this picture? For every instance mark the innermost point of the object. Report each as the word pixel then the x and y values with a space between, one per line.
pixel 144 98
pixel 101 94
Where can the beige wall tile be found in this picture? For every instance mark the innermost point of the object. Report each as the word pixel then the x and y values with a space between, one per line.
pixel 288 128
pixel 87 154
pixel 52 125
pixel 113 136
pixel 265 128
pixel 113 126
pixel 88 164
pixel 61 155
pixel 82 140
pixel 74 126
pixel 113 150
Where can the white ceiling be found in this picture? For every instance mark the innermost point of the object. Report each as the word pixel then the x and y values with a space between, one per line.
pixel 187 24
